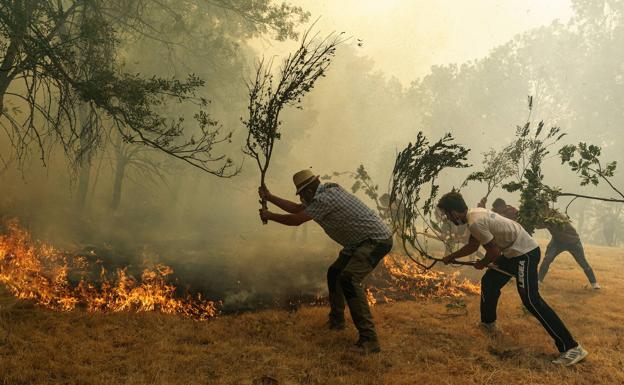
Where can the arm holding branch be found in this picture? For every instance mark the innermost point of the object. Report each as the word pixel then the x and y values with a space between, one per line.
pixel 285 219
pixel 284 204
pixel 470 248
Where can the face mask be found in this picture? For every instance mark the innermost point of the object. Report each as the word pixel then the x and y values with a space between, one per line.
pixel 456 221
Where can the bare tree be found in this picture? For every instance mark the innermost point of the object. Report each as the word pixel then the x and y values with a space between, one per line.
pixel 142 165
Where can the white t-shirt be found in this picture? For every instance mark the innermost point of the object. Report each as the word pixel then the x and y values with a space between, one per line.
pixel 509 236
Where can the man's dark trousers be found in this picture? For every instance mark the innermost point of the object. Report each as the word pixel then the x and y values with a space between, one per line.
pixel 524 268
pixel 344 280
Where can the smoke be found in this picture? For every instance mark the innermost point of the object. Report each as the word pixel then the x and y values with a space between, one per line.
pixel 208 228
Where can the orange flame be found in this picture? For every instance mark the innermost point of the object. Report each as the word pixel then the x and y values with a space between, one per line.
pixel 36 271
pixel 398 279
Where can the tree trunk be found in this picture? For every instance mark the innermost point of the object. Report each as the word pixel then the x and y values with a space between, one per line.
pixel 83 184
pixel 619 227
pixel 263 202
pixel 84 176
pixel 23 11
pixel 5 72
pixel 118 183
pixel 610 220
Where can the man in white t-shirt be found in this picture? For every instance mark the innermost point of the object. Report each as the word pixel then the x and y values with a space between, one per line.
pixel 513 250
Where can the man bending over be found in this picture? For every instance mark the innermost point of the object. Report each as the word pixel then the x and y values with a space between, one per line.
pixel 514 251
pixel 364 237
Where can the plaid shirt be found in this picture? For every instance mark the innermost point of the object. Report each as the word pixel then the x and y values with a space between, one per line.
pixel 344 217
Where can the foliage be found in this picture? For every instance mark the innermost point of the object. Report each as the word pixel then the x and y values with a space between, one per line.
pixel 572 91
pixel 62 77
pixel 269 94
pixel 584 160
pixel 528 151
pixel 414 187
pixel 497 167
pixel 262 16
pixel 363 182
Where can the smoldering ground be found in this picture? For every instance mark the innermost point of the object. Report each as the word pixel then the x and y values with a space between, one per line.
pixel 225 253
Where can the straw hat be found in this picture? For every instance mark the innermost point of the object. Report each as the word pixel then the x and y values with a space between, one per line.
pixel 303 178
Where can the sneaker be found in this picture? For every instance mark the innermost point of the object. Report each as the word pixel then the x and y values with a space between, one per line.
pixel 490 329
pixel 596 286
pixel 571 357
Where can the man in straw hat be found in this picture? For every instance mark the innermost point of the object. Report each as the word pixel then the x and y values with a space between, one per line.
pixel 364 237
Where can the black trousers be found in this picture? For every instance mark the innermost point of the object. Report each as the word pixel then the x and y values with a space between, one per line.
pixel 524 268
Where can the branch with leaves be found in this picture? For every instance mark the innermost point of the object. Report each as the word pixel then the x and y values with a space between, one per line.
pixel 528 152
pixel 498 166
pixel 414 190
pixel 59 62
pixel 584 160
pixel 269 94
pixel 363 182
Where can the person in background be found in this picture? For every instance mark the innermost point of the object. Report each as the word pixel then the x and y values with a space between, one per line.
pixel 564 238
pixel 500 207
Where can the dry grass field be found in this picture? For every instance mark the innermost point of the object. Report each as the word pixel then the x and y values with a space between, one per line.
pixel 424 342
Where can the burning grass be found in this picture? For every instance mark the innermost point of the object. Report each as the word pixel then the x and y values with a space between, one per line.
pixel 64 281
pixel 37 271
pixel 398 279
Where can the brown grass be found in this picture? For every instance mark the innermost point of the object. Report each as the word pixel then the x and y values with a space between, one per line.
pixel 424 342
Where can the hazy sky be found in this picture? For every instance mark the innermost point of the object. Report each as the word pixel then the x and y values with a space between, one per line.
pixel 407 37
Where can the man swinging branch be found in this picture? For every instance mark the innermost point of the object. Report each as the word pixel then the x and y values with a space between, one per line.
pixel 515 251
pixel 358 229
pixel 564 237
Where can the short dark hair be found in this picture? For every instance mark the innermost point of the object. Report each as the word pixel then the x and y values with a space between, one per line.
pixel 452 201
pixel 499 202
